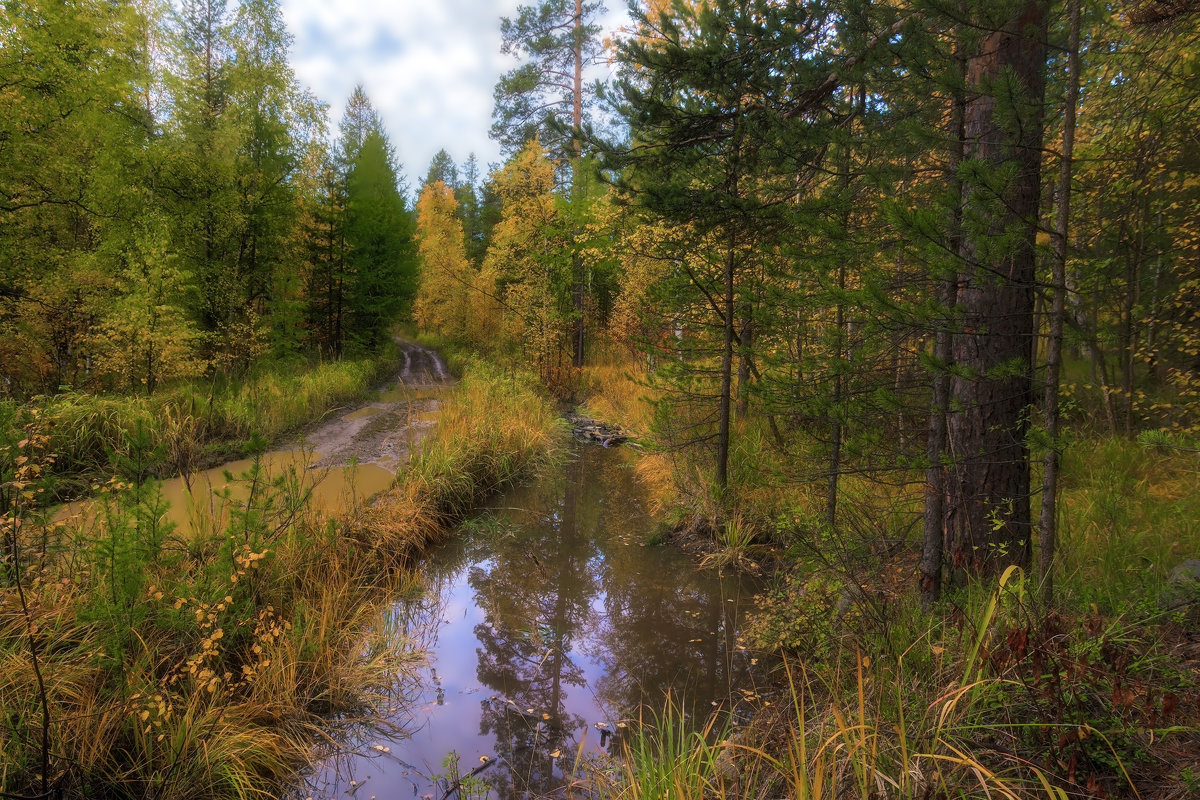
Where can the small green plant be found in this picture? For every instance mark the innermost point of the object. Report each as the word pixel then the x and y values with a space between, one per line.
pixel 471 786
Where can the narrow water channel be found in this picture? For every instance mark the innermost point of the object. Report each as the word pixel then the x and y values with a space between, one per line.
pixel 549 622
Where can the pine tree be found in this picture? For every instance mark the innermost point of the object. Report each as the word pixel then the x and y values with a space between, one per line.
pixel 988 523
pixel 708 98
pixel 543 98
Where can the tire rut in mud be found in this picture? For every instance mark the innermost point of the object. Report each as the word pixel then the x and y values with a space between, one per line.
pixel 383 432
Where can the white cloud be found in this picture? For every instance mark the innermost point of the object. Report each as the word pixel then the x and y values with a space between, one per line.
pixel 429 67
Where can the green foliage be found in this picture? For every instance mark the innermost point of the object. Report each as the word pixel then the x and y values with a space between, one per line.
pixel 128 544
pixel 1127 516
pixel 193 424
pixel 537 99
pixel 381 255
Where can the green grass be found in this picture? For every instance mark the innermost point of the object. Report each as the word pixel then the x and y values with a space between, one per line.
pixel 1128 513
pixel 195 424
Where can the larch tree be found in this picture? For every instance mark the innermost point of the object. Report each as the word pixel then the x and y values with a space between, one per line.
pixel 145 334
pixel 380 277
pixel 268 103
pixel 442 302
pixel 380 253
pixel 527 269
pixel 441 168
pixel 70 128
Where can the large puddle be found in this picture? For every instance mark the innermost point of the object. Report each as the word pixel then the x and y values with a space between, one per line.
pixel 338 464
pixel 203 501
pixel 549 622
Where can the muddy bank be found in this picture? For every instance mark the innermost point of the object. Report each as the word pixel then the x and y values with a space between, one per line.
pixel 340 461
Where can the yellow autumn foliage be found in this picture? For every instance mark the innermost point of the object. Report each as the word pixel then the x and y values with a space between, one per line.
pixel 446 276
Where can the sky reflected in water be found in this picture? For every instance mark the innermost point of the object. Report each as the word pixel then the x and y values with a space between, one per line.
pixel 548 624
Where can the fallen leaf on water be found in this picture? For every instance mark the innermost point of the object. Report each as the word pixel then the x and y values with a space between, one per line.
pixel 484 759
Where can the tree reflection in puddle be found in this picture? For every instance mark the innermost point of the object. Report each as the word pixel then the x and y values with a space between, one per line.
pixel 548 624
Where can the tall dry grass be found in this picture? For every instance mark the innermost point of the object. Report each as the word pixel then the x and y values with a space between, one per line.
pixel 493 429
pixel 207 665
pixel 921 723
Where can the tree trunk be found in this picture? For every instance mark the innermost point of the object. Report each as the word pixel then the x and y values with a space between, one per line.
pixel 579 289
pixel 934 533
pixel 1047 521
pixel 834 465
pixel 988 516
pixel 722 472
pixel 745 355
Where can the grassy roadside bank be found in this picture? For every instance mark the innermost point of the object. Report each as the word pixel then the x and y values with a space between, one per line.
pixel 138 663
pixel 189 425
pixel 988 695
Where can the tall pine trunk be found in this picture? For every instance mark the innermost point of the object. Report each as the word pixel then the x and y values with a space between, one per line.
pixel 988 508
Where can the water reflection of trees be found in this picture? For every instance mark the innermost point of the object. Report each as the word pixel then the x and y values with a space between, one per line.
pixel 536 592
pixel 575 618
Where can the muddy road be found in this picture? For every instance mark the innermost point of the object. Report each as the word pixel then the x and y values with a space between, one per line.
pixel 383 431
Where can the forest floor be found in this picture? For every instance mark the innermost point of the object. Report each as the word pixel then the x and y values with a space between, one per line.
pixel 990 694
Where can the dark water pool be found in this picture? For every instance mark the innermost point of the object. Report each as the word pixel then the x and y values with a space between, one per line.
pixel 549 623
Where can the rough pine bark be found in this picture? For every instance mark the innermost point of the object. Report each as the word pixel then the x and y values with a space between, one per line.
pixel 988 524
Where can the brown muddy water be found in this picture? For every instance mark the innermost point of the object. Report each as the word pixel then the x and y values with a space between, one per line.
pixel 343 459
pixel 548 623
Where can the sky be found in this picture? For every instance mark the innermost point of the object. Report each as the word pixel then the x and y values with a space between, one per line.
pixel 429 67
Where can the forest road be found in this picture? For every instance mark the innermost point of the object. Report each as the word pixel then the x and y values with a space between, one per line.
pixel 383 431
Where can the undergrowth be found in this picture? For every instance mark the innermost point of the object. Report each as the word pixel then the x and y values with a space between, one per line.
pixel 196 423
pixel 139 662
pixel 989 694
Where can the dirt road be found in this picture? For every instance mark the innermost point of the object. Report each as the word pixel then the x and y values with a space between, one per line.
pixel 384 431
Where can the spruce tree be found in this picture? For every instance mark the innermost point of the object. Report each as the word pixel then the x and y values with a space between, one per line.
pixel 380 253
